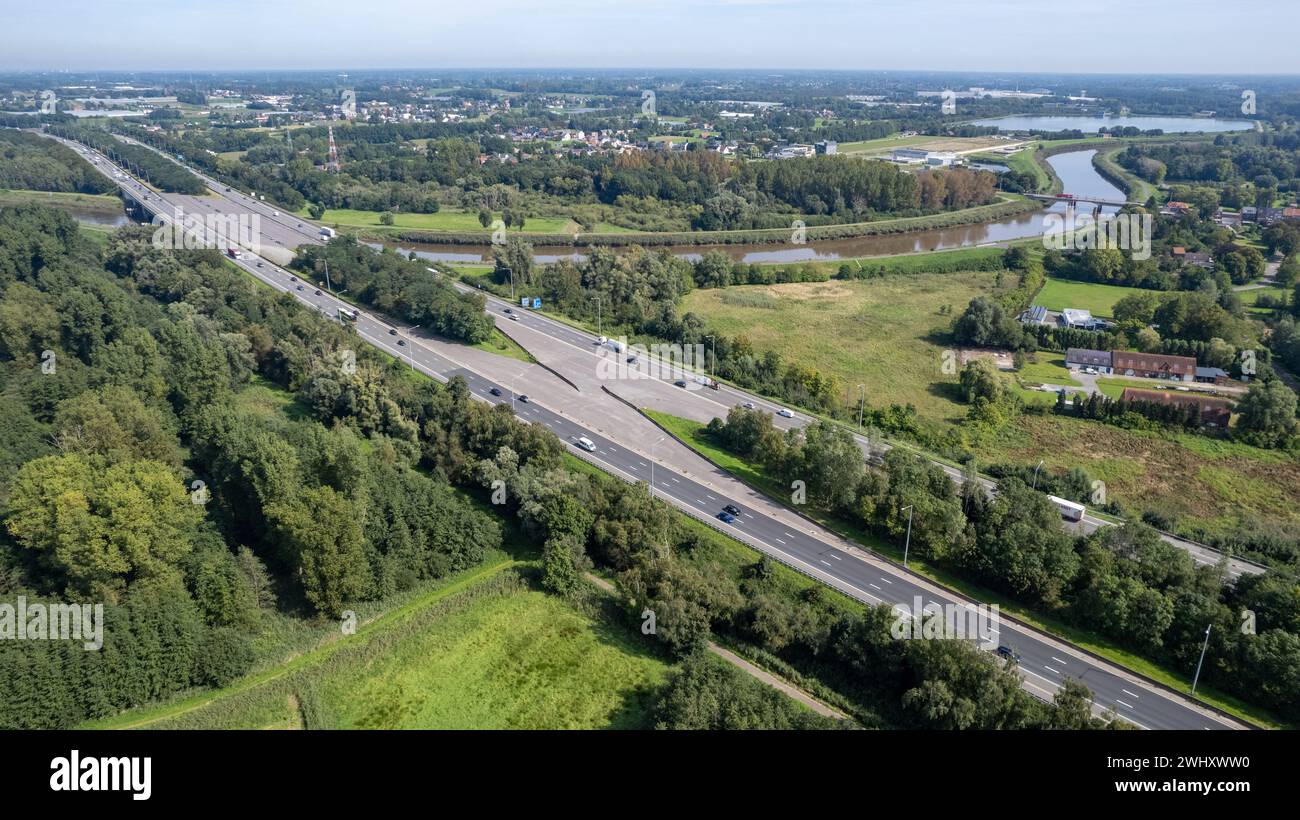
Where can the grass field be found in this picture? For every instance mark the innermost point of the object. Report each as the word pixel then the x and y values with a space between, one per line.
pixel 1059 294
pixel 1049 368
pixel 449 220
pixel 885 333
pixel 926 143
pixel 1217 484
pixel 485 650
pixel 444 220
pixel 102 203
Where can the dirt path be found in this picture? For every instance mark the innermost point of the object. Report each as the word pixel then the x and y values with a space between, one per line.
pixel 745 666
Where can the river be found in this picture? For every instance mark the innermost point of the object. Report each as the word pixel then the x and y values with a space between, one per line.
pixel 1074 168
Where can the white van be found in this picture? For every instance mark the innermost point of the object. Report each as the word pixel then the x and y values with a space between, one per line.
pixel 587 444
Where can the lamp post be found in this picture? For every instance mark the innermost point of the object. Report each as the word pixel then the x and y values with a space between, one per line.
pixel 1204 646
pixel 652 464
pixel 328 286
pixel 713 357
pixel 908 543
pixel 862 403
pixel 1036 469
pixel 596 299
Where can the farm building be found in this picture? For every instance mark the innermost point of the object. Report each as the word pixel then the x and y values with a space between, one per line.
pixel 1153 365
pixel 1082 357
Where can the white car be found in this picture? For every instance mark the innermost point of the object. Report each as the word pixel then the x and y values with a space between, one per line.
pixel 601 340
pixel 749 405
pixel 586 444
pixel 784 412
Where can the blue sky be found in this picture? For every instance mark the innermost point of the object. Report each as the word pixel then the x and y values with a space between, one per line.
pixel 1092 36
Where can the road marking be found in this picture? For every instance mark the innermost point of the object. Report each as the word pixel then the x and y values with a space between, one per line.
pixel 886 580
pixel 1058 660
pixel 1130 694
pixel 873 586
pixel 1050 669
pixel 1122 703
pixel 836 557
pixel 827 563
pixel 780 541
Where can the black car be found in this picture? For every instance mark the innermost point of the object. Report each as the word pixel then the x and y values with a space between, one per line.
pixel 300 287
pixel 508 311
pixel 733 509
pixel 496 391
pixel 679 383
pixel 392 331
pixel 318 291
pixel 401 343
pixel 1009 653
pixel 523 398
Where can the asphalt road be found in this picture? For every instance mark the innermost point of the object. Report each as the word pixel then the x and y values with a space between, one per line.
pixel 655 388
pixel 1044 662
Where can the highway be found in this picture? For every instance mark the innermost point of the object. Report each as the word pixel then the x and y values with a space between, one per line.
pixel 287 231
pixel 575 351
pixel 1044 661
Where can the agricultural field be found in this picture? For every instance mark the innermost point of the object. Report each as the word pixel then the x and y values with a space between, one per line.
pixel 923 143
pixel 486 650
pixel 444 220
pixel 887 333
pixel 1058 294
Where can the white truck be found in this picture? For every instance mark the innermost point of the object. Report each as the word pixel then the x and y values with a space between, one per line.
pixel 1070 511
pixel 327 234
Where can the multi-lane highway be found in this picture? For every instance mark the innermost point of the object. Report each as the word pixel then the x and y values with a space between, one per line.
pixel 1044 661
pixel 572 350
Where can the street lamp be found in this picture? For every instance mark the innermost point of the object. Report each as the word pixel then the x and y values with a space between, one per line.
pixel 1204 646
pixel 713 363
pixel 862 403
pixel 652 464
pixel 1036 469
pixel 596 299
pixel 908 543
pixel 328 286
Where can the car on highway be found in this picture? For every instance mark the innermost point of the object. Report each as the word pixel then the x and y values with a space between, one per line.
pixel 586 444
pixel 523 398
pixel 631 359
pixel 749 405
pixel 1008 653
pixel 401 343
pixel 514 317
pixel 726 517
pixel 731 508
pixel 785 413
pixel 496 391
pixel 318 291
pixel 601 340
pixel 507 311
pixel 259 264
pixel 392 331
pixel 300 287
pixel 679 383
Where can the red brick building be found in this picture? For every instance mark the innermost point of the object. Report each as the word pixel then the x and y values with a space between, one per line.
pixel 1214 412
pixel 1153 365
